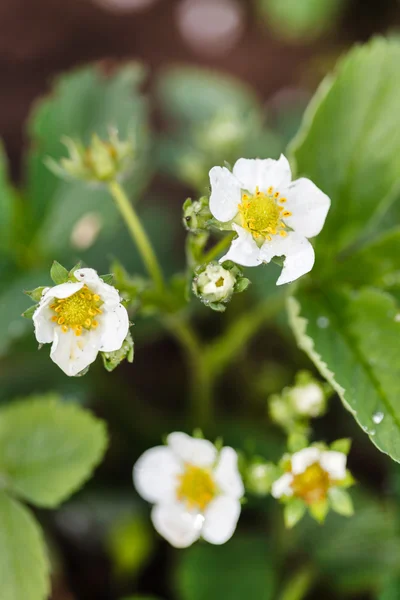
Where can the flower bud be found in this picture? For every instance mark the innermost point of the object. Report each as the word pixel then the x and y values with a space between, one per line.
pixel 100 161
pixel 214 284
pixel 196 214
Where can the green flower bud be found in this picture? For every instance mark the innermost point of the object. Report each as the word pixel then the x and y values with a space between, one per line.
pixel 214 284
pixel 196 214
pixel 101 161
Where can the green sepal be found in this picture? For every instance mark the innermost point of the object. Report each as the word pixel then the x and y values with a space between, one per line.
pixel 108 278
pixel 319 510
pixel 111 360
pixel 343 445
pixel 58 273
pixel 35 294
pixel 347 482
pixel 341 501
pixel 217 306
pixel 71 275
pixel 29 312
pixel 293 511
pixel 241 285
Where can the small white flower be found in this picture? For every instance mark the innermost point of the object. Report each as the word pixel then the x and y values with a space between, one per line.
pixel 308 400
pixel 312 473
pixel 80 319
pixel 272 215
pixel 196 490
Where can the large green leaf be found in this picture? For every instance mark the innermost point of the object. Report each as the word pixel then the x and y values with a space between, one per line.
pixel 349 143
pixel 24 569
pixel 243 568
pixel 82 103
pixel 193 94
pixel 353 338
pixel 48 449
pixel 374 263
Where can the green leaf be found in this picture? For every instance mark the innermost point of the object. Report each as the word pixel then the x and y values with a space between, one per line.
pixel 24 568
pixel 341 502
pixel 48 449
pixel 303 20
pixel 353 338
pixel 352 115
pixel 294 510
pixel 376 262
pixel 83 103
pixel 194 94
pixel 58 273
pixel 391 590
pixel 243 568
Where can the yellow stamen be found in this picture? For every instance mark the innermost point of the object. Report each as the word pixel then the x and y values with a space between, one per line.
pixel 64 328
pixel 61 320
pixel 76 311
pixel 282 233
pixel 196 487
pixel 287 213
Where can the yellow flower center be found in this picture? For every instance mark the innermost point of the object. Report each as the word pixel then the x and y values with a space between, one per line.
pixel 196 487
pixel 262 214
pixel 78 311
pixel 312 485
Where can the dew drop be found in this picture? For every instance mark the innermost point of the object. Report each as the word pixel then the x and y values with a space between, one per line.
pixel 323 322
pixel 378 417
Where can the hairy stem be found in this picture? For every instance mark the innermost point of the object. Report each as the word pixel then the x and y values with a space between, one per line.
pixel 138 234
pixel 218 248
pixel 201 388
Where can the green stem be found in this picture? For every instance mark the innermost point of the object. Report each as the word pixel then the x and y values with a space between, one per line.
pixel 201 389
pixel 226 348
pixel 138 234
pixel 300 585
pixel 218 248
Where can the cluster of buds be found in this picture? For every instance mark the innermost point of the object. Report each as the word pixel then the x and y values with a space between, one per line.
pixel 99 162
pixel 214 284
pixel 306 399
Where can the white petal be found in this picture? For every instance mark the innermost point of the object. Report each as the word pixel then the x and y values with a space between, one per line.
pixel 194 451
pixel 44 327
pixel 108 294
pixel 243 251
pixel 88 276
pixel 334 463
pixel 308 205
pixel 74 353
pixel 226 473
pixel 114 329
pixel 298 251
pixel 64 290
pixel 303 459
pixel 282 486
pixel 221 517
pixel 155 475
pixel 263 173
pixel 225 194
pixel 176 524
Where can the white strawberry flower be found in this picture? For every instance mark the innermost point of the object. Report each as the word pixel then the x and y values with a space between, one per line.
pixel 308 400
pixel 195 489
pixel 272 215
pixel 312 473
pixel 80 319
